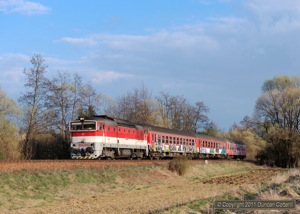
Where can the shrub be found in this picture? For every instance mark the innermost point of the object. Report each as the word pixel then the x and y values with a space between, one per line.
pixel 179 165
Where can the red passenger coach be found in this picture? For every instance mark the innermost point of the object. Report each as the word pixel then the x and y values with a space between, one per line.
pixel 165 142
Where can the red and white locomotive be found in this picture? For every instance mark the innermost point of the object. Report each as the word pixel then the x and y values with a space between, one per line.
pixel 105 137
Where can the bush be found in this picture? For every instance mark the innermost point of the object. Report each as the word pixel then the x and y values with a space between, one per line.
pixel 179 165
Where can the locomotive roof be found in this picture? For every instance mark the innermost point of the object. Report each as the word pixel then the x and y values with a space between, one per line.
pixel 113 121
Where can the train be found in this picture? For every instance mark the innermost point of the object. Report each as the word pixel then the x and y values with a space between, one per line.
pixel 104 137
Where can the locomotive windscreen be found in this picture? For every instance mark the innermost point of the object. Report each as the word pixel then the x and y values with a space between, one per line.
pixel 86 125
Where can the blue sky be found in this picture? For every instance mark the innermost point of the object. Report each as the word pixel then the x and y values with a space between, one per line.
pixel 216 51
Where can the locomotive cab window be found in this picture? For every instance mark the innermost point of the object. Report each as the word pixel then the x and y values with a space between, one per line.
pixel 86 125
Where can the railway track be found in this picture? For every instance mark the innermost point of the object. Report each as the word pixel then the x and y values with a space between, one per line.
pixel 51 165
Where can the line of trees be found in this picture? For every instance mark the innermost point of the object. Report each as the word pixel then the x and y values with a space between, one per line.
pixel 38 126
pixel 47 106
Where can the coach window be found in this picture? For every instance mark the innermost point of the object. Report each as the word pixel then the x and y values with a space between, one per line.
pixel 170 140
pixel 108 129
pixel 193 142
pixel 163 139
pixel 158 138
pixel 167 139
pixel 177 140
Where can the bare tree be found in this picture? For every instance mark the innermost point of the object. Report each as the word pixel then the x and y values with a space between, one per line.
pixel 177 113
pixel 63 99
pixel 136 106
pixel 33 102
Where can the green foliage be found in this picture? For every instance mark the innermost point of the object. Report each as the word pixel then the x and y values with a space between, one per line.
pixel 9 136
pixel 179 165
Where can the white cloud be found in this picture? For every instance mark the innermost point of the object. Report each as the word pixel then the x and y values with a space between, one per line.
pixel 177 38
pixel 276 16
pixel 80 41
pixel 22 7
pixel 11 78
pixel 108 76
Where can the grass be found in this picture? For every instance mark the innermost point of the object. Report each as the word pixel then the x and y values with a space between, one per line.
pixel 206 171
pixel 38 189
pixel 17 188
pixel 280 187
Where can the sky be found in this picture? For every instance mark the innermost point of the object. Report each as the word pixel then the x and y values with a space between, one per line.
pixel 219 52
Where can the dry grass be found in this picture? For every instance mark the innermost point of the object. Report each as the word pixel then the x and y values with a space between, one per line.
pixel 179 165
pixel 131 189
pixel 283 186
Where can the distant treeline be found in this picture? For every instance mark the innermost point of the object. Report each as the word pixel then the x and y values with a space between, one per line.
pixel 36 127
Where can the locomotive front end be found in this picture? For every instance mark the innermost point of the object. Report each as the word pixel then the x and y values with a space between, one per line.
pixel 85 139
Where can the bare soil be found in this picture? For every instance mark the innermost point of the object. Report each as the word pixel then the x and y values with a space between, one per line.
pixel 147 193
